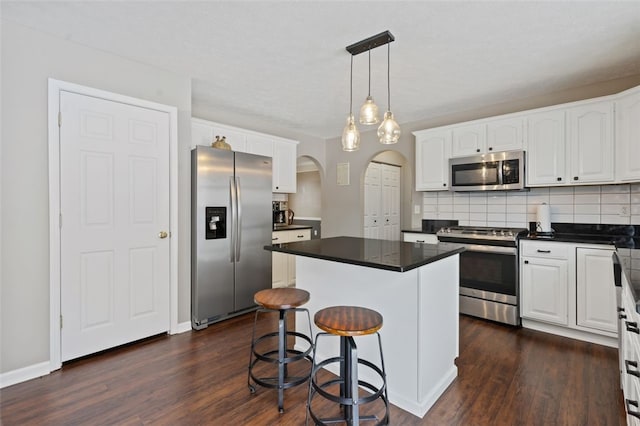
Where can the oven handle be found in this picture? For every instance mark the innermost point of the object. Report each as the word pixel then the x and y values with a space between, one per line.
pixel 489 249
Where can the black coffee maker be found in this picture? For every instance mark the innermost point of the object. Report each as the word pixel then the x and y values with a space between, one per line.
pixel 279 213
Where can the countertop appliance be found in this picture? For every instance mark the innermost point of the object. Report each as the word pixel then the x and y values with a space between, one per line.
pixel 230 225
pixel 494 171
pixel 488 270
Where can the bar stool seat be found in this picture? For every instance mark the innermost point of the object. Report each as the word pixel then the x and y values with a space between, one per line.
pixel 348 322
pixel 284 301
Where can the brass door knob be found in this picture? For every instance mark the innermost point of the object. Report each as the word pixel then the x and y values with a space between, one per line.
pixel 163 234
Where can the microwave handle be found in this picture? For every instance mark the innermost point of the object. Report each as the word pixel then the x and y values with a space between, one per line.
pixel 500 175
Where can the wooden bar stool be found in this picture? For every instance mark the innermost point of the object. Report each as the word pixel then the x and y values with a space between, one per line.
pixel 283 301
pixel 348 322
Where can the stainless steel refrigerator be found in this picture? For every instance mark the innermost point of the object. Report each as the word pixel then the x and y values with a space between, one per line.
pixel 230 225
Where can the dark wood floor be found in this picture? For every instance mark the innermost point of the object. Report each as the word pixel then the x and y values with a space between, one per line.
pixel 506 376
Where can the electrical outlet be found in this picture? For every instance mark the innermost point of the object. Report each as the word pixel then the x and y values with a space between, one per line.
pixel 624 211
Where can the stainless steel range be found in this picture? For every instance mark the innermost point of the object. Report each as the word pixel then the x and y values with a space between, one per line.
pixel 488 270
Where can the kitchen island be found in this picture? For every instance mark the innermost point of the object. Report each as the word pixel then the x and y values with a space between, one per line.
pixel 415 288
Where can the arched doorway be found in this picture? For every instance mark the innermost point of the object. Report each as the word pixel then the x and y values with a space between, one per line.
pixel 306 203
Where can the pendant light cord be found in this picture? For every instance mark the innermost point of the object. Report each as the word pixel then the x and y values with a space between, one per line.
pixel 369 93
pixel 351 88
pixel 388 78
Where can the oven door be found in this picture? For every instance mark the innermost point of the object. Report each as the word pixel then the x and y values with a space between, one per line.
pixel 489 273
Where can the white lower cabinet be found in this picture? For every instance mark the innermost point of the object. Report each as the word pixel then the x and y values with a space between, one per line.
pixel 629 354
pixel 568 289
pixel 544 282
pixel 595 294
pixel 284 265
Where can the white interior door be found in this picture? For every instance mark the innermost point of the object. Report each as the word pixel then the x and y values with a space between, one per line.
pixel 391 201
pixel 372 188
pixel 382 201
pixel 114 204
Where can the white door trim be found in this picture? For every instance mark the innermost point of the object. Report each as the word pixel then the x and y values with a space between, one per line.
pixel 55 87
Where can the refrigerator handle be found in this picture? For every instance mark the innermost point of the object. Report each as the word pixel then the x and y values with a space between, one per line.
pixel 233 195
pixel 238 219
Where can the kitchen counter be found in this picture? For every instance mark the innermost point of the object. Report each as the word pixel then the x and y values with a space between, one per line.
pixel 290 227
pixel 395 256
pixel 413 286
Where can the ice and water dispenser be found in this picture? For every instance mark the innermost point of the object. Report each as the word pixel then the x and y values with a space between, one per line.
pixel 216 222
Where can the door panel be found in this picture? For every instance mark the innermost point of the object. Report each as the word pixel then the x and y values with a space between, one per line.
pixel 114 201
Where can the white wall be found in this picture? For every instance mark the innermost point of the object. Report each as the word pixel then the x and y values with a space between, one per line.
pixel 307 201
pixel 580 204
pixel 29 58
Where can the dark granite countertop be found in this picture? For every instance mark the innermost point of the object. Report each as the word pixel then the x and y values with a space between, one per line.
pixel 396 256
pixel 621 268
pixel 290 227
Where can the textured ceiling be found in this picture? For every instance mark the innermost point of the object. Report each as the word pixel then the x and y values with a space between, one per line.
pixel 282 64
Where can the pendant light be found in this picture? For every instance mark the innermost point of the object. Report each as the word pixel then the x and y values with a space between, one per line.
pixel 369 110
pixel 350 134
pixel 389 131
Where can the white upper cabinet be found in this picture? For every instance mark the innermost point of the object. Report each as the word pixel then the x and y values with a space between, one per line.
pixel 546 149
pixel 284 166
pixel 628 136
pixel 505 134
pixel 590 136
pixel 433 149
pixel 469 140
pixel 283 151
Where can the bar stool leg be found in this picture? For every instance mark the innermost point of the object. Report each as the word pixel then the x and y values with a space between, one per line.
pixel 282 346
pixel 252 388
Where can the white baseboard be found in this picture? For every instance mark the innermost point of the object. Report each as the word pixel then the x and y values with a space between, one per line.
pixel 183 327
pixel 23 374
pixel 612 342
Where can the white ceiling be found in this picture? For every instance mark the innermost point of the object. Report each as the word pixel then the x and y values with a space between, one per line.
pixel 283 64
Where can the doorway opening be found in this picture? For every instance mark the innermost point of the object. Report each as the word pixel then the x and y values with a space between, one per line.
pixel 306 202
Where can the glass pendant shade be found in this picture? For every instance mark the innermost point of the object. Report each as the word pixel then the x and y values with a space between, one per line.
pixel 369 112
pixel 350 135
pixel 389 131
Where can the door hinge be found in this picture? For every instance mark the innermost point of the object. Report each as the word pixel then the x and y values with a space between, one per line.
pixel 59 119
pixel 60 322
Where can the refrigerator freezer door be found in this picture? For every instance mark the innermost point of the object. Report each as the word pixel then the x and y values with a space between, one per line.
pixel 253 262
pixel 212 287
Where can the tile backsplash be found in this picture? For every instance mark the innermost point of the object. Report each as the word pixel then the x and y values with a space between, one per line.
pixel 613 204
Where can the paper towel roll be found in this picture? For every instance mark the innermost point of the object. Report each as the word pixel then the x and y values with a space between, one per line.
pixel 543 218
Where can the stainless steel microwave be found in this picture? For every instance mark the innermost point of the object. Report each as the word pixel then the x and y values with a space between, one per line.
pixel 493 171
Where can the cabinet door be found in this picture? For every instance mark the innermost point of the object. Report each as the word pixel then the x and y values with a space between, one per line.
pixel 628 137
pixel 414 237
pixel 546 149
pixel 544 284
pixel 372 195
pixel 469 140
pixel 279 269
pixel 259 145
pixel 284 166
pixel 591 142
pixel 391 202
pixel 432 160
pixel 595 290
pixel 505 135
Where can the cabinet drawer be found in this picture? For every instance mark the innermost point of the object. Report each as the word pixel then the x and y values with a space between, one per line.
pixel 551 250
pixel 289 236
pixel 414 237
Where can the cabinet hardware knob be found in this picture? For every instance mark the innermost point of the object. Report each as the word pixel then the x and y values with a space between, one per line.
pixel 300 236
pixel 631 412
pixel 526 262
pixel 490 148
pixel 575 178
pixel 620 309
pixel 628 364
pixel 419 241
pixel 632 326
pixel 622 316
pixel 559 179
pixel 444 184
pixel 543 251
pixel 478 150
